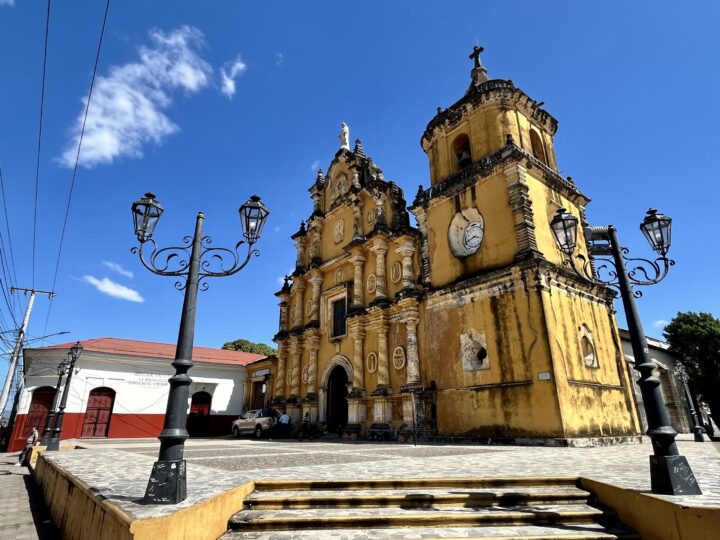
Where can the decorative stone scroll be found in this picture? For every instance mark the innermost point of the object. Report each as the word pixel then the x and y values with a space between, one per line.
pixel 398 358
pixel 371 362
pixel 371 283
pixel 396 272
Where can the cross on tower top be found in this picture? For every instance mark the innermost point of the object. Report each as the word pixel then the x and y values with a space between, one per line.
pixel 475 55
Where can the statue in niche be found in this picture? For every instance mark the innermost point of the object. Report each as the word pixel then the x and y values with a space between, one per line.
pixel 344 136
pixel 473 350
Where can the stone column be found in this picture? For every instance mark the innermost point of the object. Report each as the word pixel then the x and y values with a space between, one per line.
pixel 280 375
pixel 293 409
pixel 413 362
pixel 316 281
pixel 315 239
pixel 299 287
pixel 300 255
pixel 406 250
pixel 312 344
pixel 283 316
pixel 357 220
pixel 380 248
pixel 357 300
pixel 382 370
pixel 357 333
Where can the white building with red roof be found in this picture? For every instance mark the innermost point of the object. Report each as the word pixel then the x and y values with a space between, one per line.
pixel 120 387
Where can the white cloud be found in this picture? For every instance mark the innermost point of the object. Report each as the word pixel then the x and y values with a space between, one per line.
pixel 279 59
pixel 115 267
pixel 7 2
pixel 276 228
pixel 113 289
pixel 660 324
pixel 229 72
pixel 314 165
pixel 126 111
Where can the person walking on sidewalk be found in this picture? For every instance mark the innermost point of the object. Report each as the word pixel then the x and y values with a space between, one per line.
pixel 31 440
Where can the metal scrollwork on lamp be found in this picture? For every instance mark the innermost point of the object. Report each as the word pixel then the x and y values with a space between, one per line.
pixel 670 472
pixel 192 262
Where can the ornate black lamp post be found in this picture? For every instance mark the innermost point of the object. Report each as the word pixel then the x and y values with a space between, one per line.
pixel 670 473
pixel 167 484
pixel 47 432
pixel 682 376
pixel 75 352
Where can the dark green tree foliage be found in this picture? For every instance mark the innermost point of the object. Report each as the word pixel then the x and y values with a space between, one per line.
pixel 695 339
pixel 248 346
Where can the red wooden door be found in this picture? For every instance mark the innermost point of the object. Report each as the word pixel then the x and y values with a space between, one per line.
pixel 98 412
pixel 41 403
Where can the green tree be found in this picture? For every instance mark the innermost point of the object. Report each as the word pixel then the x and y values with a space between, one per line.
pixel 695 339
pixel 248 346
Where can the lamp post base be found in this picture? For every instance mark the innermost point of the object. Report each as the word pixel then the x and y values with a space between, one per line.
pixel 167 484
pixel 698 432
pixel 53 445
pixel 672 475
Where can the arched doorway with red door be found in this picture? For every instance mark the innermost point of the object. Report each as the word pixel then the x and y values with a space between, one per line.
pixel 98 412
pixel 41 403
pixel 198 421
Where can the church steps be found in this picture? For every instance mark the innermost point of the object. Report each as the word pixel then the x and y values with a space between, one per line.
pixel 414 483
pixel 437 497
pixel 590 531
pixel 498 508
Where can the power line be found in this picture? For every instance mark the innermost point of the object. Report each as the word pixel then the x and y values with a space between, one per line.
pixel 7 226
pixel 77 159
pixel 37 161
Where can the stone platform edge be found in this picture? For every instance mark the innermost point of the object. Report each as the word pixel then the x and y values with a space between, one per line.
pixel 81 513
pixel 654 517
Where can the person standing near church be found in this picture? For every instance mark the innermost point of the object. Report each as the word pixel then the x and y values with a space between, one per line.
pixel 284 424
pixel 31 440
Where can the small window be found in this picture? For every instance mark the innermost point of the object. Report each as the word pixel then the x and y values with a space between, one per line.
pixel 338 317
pixel 461 147
pixel 537 146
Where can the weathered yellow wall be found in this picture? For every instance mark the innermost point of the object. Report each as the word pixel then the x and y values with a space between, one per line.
pixel 499 244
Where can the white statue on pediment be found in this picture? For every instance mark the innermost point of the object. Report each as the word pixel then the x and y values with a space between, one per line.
pixel 344 136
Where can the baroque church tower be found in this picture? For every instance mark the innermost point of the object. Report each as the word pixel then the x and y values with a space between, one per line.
pixel 468 325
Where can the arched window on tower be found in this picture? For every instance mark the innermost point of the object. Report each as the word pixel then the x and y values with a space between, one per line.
pixel 461 147
pixel 537 146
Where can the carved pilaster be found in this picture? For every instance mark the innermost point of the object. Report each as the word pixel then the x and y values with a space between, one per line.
pixel 357 219
pixel 294 374
pixel 299 290
pixel 380 248
pixel 383 373
pixel 406 250
pixel 316 281
pixel 312 344
pixel 300 255
pixel 420 214
pixel 280 375
pixel 357 301
pixel 519 201
pixel 315 240
pixel 380 217
pixel 413 361
pixel 357 333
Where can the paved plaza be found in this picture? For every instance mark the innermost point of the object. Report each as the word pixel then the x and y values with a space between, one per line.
pixel 119 469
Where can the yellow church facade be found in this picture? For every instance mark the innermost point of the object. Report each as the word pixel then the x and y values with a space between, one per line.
pixel 467 325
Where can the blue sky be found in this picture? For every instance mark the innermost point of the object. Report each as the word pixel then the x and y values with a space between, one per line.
pixel 243 98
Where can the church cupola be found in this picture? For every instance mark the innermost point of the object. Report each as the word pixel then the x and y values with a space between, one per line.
pixel 479 123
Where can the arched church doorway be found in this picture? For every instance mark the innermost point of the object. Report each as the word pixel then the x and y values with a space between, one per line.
pixel 198 421
pixel 337 407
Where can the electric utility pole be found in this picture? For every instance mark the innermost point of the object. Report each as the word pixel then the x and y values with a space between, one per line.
pixel 19 343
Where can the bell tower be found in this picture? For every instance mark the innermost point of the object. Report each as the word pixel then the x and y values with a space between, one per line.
pixel 516 345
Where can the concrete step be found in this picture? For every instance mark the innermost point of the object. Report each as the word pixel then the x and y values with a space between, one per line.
pixel 540 514
pixel 589 531
pixel 415 498
pixel 413 483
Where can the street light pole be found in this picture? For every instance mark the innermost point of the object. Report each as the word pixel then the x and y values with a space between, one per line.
pixel 75 352
pixel 670 473
pixel 168 479
pixel 47 432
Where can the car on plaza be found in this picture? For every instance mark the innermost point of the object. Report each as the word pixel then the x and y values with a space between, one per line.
pixel 255 422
